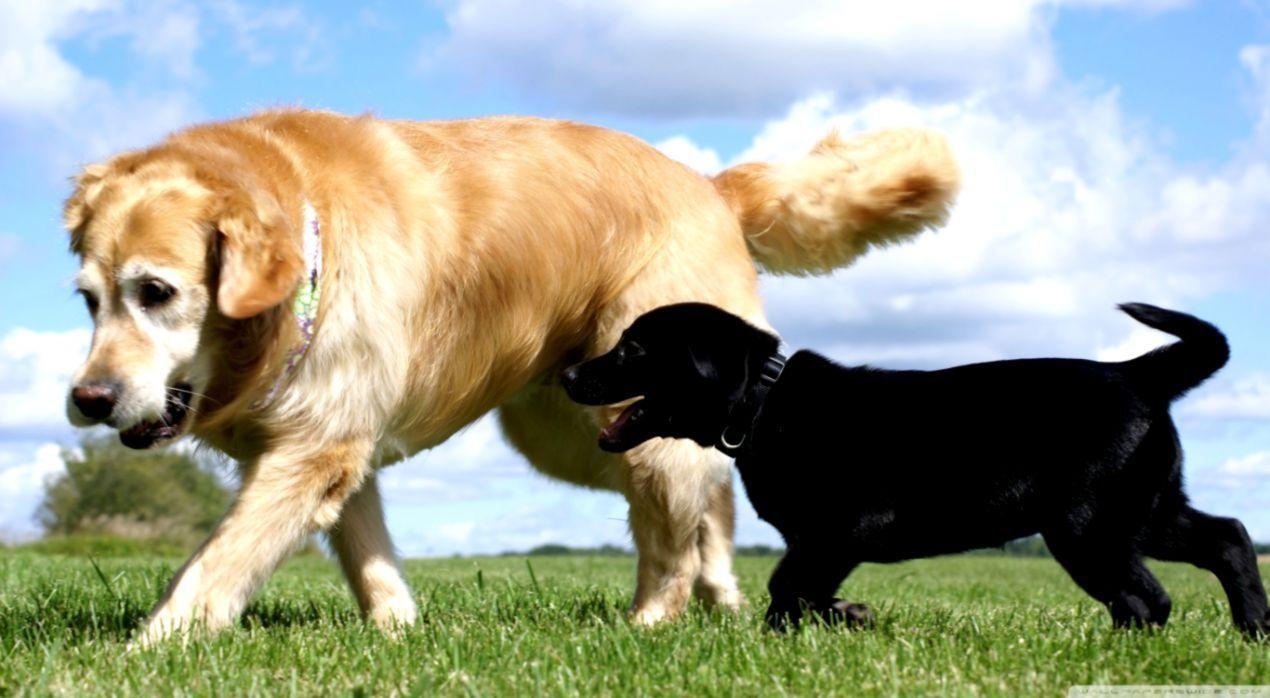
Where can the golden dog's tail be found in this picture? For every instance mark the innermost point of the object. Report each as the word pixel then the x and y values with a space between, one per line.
pixel 824 210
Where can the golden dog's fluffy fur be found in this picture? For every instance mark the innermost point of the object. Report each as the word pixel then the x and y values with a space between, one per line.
pixel 464 263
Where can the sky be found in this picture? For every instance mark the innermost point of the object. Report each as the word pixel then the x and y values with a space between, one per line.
pixel 1112 151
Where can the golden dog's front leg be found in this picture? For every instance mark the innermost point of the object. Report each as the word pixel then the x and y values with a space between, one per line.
pixel 289 493
pixel 716 585
pixel 682 530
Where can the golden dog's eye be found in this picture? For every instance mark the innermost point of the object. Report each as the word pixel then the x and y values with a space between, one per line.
pixel 90 300
pixel 155 293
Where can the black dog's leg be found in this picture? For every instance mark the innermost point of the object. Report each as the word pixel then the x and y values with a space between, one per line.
pixel 1221 546
pixel 1115 576
pixel 806 578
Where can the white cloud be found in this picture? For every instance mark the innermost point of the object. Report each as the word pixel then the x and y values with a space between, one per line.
pixel 260 33
pixel 1068 209
pixel 129 120
pixel 32 472
pixel 479 447
pixel 72 118
pixel 1139 341
pixel 1245 398
pixel 457 532
pixel 1254 465
pixel 37 79
pixel 665 57
pixel 475 494
pixel 166 35
pixel 40 82
pixel 1239 487
pixel 35 373
pixel 538 513
pixel 1144 6
pixel 172 37
pixel 68 117
pixel 472 466
pixel 24 470
pixel 703 160
pixel 1255 59
pixel 1241 478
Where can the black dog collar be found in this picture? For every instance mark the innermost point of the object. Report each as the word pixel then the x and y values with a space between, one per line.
pixel 741 418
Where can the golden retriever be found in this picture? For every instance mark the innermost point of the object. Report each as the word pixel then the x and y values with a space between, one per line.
pixel 455 267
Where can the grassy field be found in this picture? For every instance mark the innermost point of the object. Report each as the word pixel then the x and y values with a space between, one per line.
pixel 953 626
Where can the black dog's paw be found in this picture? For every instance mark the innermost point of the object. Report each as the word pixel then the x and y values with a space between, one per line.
pixel 1262 633
pixel 787 616
pixel 783 617
pixel 1254 630
pixel 853 615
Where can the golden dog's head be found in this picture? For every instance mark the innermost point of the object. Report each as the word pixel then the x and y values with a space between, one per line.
pixel 172 241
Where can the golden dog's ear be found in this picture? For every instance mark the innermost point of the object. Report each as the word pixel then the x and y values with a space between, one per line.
pixel 261 259
pixel 77 210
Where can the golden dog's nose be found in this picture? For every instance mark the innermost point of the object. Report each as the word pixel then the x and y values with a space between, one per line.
pixel 95 400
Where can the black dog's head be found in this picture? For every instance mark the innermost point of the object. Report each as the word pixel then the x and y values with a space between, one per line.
pixel 689 362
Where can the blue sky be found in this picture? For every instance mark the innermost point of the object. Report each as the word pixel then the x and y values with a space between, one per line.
pixel 1112 151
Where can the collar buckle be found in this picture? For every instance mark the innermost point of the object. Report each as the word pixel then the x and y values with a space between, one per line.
pixel 741 419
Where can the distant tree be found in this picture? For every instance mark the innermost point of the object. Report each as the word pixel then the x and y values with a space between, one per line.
pixel 757 551
pixel 551 549
pixel 560 550
pixel 110 489
pixel 1032 546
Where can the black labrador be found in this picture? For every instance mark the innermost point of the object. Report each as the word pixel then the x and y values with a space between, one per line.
pixel 859 464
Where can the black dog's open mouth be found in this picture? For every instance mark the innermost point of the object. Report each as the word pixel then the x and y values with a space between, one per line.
pixel 616 436
pixel 167 426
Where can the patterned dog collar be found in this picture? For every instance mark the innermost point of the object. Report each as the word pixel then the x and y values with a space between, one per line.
pixel 304 305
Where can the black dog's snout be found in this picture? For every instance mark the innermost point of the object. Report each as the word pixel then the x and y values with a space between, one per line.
pixel 579 384
pixel 95 400
pixel 568 376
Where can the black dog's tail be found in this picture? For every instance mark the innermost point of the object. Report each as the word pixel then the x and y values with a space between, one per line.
pixel 1175 369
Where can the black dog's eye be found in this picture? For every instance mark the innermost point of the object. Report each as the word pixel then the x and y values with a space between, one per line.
pixel 155 293
pixel 629 350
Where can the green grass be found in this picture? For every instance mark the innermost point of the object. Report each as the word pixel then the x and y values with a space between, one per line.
pixel 959 626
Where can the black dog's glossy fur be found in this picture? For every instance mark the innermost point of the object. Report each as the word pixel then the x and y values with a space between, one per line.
pixel 857 464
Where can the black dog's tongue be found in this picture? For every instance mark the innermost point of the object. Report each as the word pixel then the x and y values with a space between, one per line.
pixel 612 433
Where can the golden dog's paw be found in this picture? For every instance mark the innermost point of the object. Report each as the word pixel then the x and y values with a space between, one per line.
pixel 394 617
pixel 650 615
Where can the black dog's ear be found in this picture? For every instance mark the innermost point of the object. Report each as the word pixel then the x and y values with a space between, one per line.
pixel 703 364
pixel 733 377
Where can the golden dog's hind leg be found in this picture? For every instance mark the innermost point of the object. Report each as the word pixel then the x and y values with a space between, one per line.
pixel 288 494
pixel 370 564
